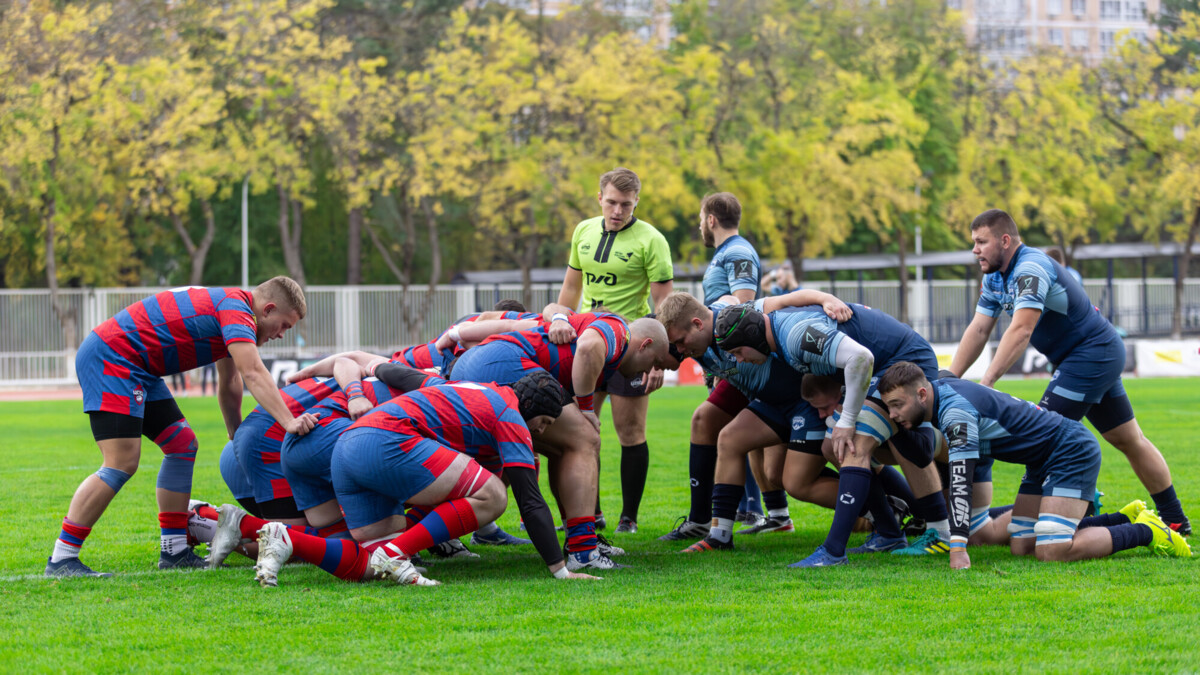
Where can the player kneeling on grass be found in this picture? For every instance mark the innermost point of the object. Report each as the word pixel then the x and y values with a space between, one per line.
pixel 443 447
pixel 1061 459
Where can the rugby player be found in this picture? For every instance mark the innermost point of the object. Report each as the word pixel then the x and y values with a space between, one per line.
pixel 442 447
pixel 605 345
pixel 775 415
pixel 121 365
pixel 1051 312
pixel 734 270
pixel 618 261
pixel 1061 459
pixel 862 347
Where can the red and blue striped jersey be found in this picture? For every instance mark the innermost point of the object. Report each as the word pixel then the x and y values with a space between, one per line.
pixel 479 420
pixel 181 329
pixel 425 356
pixel 335 405
pixel 299 397
pixel 539 351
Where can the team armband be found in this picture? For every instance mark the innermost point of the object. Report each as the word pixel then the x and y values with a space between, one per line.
pixel 354 390
pixel 558 316
pixel 585 402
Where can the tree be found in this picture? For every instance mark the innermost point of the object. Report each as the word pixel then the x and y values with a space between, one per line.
pixel 57 70
pixel 1157 112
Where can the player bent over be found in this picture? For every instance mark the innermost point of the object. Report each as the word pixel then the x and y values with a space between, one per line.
pixel 603 346
pixel 1061 459
pixel 732 426
pixel 121 365
pixel 443 447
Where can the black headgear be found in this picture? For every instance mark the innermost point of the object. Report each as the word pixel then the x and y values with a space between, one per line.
pixel 741 326
pixel 538 393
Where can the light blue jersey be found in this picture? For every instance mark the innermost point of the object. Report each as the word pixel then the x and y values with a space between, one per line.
pixel 773 381
pixel 1068 321
pixel 734 267
pixel 807 339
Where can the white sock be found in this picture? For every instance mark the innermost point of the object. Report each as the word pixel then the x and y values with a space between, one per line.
pixel 942 527
pixel 173 544
pixel 63 550
pixel 778 513
pixel 488 528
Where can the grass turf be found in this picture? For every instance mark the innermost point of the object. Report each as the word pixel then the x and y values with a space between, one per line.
pixel 740 611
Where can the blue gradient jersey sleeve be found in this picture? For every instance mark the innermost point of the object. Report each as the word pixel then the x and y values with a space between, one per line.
pixel 807 339
pixel 959 423
pixel 734 267
pixel 1034 281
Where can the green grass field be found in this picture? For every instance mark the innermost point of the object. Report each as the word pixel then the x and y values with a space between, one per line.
pixel 740 611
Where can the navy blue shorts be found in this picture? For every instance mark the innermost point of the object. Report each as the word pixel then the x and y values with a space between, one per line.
pixel 1070 470
pixel 233 475
pixel 258 455
pixel 306 461
pixel 797 424
pixel 499 362
pixel 376 471
pixel 1088 383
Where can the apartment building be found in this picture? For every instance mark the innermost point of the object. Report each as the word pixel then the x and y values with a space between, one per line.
pixel 650 19
pixel 1006 29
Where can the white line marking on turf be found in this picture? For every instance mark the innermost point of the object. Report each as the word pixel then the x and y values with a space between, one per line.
pixel 122 575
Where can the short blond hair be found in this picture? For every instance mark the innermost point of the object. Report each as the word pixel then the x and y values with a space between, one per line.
pixel 678 309
pixel 285 293
pixel 622 179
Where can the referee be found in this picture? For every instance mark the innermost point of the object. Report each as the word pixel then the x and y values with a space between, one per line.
pixel 617 263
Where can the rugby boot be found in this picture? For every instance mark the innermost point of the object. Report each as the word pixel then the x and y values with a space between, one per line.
pixel 185 559
pixel 820 558
pixel 497 537
pixel 686 529
pixel 274 549
pixel 877 543
pixel 227 536
pixel 709 544
pixel 593 559
pixel 1133 509
pixel 929 543
pixel 399 569
pixel 783 524
pixel 71 567
pixel 1166 542
pixel 451 548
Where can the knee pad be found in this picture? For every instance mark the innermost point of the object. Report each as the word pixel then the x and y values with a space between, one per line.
pixel 472 480
pixel 178 443
pixel 1053 529
pixel 980 517
pixel 1022 528
pixel 113 478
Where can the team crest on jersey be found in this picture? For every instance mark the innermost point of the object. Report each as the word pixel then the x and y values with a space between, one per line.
pixel 1028 286
pixel 956 435
pixel 623 255
pixel 814 340
pixel 139 395
pixel 585 247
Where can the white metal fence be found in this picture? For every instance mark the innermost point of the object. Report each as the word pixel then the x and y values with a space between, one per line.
pixel 383 318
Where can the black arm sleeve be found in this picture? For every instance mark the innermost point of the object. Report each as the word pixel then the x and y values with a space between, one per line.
pixel 962 473
pixel 538 521
pixel 400 376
